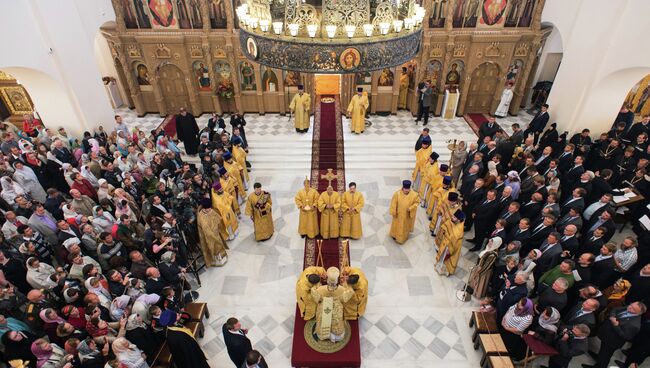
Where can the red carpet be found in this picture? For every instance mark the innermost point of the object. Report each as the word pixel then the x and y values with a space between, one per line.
pixel 327 153
pixel 475 121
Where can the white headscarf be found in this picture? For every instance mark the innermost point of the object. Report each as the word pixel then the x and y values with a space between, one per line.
pixel 10 190
pixel 493 244
pixel 88 175
pixel 550 323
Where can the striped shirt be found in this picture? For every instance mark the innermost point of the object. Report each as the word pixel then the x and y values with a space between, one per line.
pixel 627 258
pixel 520 323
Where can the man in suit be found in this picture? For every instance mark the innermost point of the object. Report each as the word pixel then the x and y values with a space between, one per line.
pixel 537 125
pixel 254 360
pixel 532 208
pixel 571 218
pixel 477 160
pixel 565 160
pixel 572 175
pixel 554 295
pixel 529 185
pixel 543 158
pixel 582 313
pixel 603 270
pixel 622 326
pixel 505 198
pixel 418 143
pixel 568 241
pixel 520 233
pixel 517 136
pixel 469 181
pixel 595 209
pixel 472 199
pixel 511 216
pixel 488 129
pixel 593 243
pixel 606 221
pixel 600 185
pixel 237 342
pixel 469 160
pixel 577 200
pixel 484 214
pixel 570 343
pixel 551 252
pixel 513 290
pixel 424 102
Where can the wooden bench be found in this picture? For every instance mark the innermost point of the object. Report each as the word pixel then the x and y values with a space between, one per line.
pixel 197 311
pixel 163 358
pixel 486 323
pixel 499 362
pixel 491 344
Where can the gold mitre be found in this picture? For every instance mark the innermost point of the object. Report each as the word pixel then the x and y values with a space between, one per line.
pixel 333 275
pixel 306 181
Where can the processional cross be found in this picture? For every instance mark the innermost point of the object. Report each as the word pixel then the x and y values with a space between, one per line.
pixel 329 177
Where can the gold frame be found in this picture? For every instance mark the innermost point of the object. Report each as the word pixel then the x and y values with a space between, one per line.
pixel 5 91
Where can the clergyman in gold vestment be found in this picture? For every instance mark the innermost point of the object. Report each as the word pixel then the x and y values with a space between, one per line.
pixel 258 208
pixel 451 244
pixel 403 89
pixel 307 202
pixel 351 205
pixel 330 324
pixel 329 205
pixel 403 208
pixel 299 106
pixel 310 277
pixel 357 111
pixel 212 244
pixel 357 281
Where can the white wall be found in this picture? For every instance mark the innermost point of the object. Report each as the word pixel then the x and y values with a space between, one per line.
pixel 604 56
pixel 65 84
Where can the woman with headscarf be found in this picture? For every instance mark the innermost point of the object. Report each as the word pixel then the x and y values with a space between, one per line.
pixel 27 179
pixel 552 181
pixel 140 334
pixel 125 205
pixel 74 316
pixel 104 189
pixel 103 220
pixel 119 307
pixel 94 285
pixel 88 175
pixel 39 168
pixel 90 356
pixel 502 273
pixel 547 324
pixel 128 354
pixel 510 250
pixel 10 190
pixel 51 321
pixel 69 212
pixel 55 172
pixel 49 355
pixel 18 345
pixel 513 182
pixel 492 245
pixel 615 297
pixel 514 324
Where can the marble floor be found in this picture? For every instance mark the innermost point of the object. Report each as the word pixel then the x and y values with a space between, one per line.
pixel 413 318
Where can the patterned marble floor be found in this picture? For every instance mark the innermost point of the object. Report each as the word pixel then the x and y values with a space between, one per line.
pixel 413 318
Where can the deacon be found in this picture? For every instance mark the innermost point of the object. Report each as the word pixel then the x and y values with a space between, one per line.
pixel 184 349
pixel 187 131
pixel 432 180
pixel 403 208
pixel 258 208
pixel 422 157
pixel 403 89
pixel 357 281
pixel 239 154
pixel 351 205
pixel 212 244
pixel 235 171
pixel 299 107
pixel 229 185
pixel 443 209
pixel 222 202
pixel 310 277
pixel 449 249
pixel 307 201
pixel 357 111
pixel 329 204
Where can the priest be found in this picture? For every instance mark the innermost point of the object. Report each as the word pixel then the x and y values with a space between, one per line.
pixel 222 202
pixel 184 349
pixel 330 324
pixel 357 111
pixel 443 207
pixel 258 208
pixel 504 104
pixel 235 171
pixel 307 201
pixel 212 243
pixel 449 251
pixel 403 89
pixel 422 158
pixel 357 281
pixel 351 205
pixel 187 131
pixel 310 277
pixel 229 185
pixel 329 204
pixel 403 208
pixel 299 107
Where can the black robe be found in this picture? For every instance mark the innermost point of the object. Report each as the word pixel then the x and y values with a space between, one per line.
pixel 185 351
pixel 188 132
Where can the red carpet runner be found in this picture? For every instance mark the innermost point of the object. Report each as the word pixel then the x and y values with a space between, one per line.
pixel 327 153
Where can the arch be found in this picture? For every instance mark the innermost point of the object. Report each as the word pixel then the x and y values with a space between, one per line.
pixel 269 80
pixel 51 101
pixel 483 84
pixel 247 76
pixel 172 85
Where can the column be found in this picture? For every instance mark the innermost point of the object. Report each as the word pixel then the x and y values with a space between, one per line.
pixel 133 86
pixel 397 72
pixel 260 88
pixel 207 55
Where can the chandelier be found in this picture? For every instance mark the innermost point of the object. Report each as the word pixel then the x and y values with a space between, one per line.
pixel 332 36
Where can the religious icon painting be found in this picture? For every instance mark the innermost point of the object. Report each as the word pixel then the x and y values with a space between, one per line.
pixel 350 59
pixel 15 98
pixel 251 47
pixel 492 13
pixel 162 14
pixel 201 75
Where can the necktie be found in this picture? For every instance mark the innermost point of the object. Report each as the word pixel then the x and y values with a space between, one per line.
pixel 538 228
pixel 505 217
pixel 597 224
pixel 564 238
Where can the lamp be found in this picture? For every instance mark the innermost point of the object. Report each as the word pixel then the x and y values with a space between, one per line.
pixel 408 23
pixel 384 27
pixel 331 30
pixel 293 29
pixel 349 29
pixel 244 18
pixel 397 25
pixel 253 22
pixel 367 29
pixel 311 30
pixel 277 27
pixel 264 25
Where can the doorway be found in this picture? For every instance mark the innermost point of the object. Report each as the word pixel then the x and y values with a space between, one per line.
pixel 327 84
pixel 485 79
pixel 172 84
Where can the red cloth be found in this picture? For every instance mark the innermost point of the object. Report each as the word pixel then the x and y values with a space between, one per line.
pixel 538 347
pixel 170 127
pixel 29 127
pixel 85 188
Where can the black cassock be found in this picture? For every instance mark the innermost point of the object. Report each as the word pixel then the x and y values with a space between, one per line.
pixel 185 351
pixel 188 132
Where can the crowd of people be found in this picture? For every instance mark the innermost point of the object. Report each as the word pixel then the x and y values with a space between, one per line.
pixel 98 248
pixel 542 205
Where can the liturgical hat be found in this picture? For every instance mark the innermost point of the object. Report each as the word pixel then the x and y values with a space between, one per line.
pixel 426 140
pixel 452 196
pixel 460 215
pixel 236 140
pixel 206 203
pixel 167 318
pixel 217 186
pixel 406 184
pixel 359 89
pixel 446 181
pixel 434 155
pixel 301 87
pixel 227 155
pixel 444 167
pixel 222 171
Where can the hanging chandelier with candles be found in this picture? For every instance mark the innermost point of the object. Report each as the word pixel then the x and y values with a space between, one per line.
pixel 332 36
